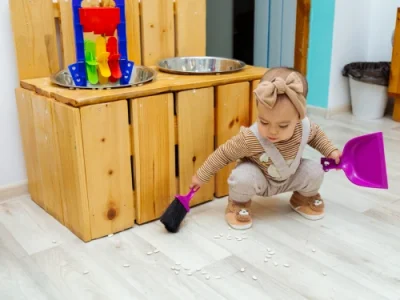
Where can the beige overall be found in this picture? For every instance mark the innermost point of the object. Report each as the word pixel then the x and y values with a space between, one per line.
pixel 302 175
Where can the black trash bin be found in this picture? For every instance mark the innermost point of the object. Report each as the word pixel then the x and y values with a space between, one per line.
pixel 368 88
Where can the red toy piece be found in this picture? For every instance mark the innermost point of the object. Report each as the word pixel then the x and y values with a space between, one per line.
pixel 100 20
pixel 113 59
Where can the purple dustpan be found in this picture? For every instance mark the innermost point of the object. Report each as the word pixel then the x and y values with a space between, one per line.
pixel 363 161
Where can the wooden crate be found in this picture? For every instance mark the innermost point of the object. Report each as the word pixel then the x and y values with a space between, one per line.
pixel 99 161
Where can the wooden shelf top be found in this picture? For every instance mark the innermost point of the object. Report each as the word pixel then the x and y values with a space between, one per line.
pixel 163 83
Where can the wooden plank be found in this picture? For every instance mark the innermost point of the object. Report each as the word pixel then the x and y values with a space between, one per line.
pixel 232 104
pixel 190 24
pixel 48 156
pixel 394 81
pixel 132 14
pixel 34 37
pixel 27 130
pixel 158 36
pixel 396 109
pixel 67 121
pixel 302 35
pixel 195 111
pixel 154 160
pixel 164 83
pixel 105 131
pixel 67 33
pixel 253 103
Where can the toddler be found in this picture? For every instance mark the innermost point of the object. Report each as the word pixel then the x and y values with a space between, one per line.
pixel 269 153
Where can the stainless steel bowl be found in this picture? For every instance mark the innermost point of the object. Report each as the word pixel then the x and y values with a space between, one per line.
pixel 195 65
pixel 140 75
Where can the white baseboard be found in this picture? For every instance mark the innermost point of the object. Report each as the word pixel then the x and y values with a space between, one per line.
pixel 328 112
pixel 13 190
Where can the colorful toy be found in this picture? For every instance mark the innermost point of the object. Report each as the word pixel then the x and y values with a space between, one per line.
pixel 104 60
pixel 363 161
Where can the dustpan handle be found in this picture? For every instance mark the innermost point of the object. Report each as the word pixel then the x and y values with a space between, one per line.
pixel 329 164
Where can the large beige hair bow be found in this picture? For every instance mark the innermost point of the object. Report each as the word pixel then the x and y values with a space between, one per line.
pixel 267 92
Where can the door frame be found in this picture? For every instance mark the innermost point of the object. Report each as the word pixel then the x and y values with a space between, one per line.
pixel 302 35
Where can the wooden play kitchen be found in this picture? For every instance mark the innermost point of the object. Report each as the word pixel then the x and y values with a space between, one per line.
pixel 99 160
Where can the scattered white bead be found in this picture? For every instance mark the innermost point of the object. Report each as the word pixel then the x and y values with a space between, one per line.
pixel 110 235
pixel 198 269
pixel 313 250
pixel 190 274
pixel 265 259
pixel 221 234
pixel 208 277
pixel 172 268
pixel 118 243
pixel 229 228
pixel 268 256
pixel 203 272
pixel 269 249
pixel 216 237
pixel 323 273
pixel 178 263
pixel 229 238
pixel 149 253
pixel 156 251
pixel 286 265
pixel 177 268
pixel 254 277
pixel 240 239
pixel 217 277
pixel 187 269
pixel 85 272
pixel 272 253
pixel 242 270
pixel 54 241
pixel 126 266
pixel 275 264
pixel 177 272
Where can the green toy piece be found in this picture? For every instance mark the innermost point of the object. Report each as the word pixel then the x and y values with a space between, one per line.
pixel 91 63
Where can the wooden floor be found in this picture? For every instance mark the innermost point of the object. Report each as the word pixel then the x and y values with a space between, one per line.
pixel 353 253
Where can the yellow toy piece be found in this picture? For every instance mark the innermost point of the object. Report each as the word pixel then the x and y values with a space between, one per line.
pixel 102 59
pixel 107 3
pixel 90 3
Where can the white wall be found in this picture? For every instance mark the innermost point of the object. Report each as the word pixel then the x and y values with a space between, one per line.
pixel 362 32
pixel 382 24
pixel 12 169
pixel 350 43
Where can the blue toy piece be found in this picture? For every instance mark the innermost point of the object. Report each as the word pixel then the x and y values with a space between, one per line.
pixel 78 69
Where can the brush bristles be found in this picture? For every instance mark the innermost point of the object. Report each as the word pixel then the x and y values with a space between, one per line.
pixel 173 216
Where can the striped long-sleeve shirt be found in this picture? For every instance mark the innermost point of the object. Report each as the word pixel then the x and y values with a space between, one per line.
pixel 245 147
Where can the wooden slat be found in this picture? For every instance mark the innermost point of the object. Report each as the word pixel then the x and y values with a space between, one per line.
pixel 34 37
pixel 73 184
pixel 105 131
pixel 302 35
pixel 48 156
pixel 67 33
pixel 190 27
pixel 232 103
pixel 164 83
pixel 154 160
pixel 253 104
pixel 132 15
pixel 195 110
pixel 394 82
pixel 158 36
pixel 27 129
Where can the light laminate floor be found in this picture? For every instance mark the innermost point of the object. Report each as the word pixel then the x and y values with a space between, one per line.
pixel 353 253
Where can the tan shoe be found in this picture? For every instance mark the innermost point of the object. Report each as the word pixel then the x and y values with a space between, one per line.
pixel 311 208
pixel 238 215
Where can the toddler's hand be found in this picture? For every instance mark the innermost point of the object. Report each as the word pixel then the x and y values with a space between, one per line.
pixel 336 156
pixel 196 183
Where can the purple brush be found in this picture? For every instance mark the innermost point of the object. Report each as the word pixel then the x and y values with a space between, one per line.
pixel 176 211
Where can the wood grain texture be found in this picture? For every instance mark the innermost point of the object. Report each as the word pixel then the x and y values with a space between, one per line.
pixel 34 37
pixel 164 83
pixel 105 131
pixel 158 33
pixel 154 159
pixel 27 130
pixel 132 14
pixel 394 80
pixel 72 165
pixel 232 112
pixel 302 35
pixel 67 33
pixel 253 102
pixel 190 26
pixel 48 156
pixel 195 114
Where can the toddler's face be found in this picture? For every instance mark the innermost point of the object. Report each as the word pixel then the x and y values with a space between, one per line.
pixel 277 124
